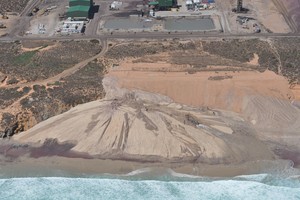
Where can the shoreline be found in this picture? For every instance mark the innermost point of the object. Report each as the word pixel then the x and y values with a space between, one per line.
pixel 56 166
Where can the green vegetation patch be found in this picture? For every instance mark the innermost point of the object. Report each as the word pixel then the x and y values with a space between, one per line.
pixel 39 65
pixel 24 58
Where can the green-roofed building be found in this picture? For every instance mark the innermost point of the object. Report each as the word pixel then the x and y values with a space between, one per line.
pixel 79 12
pixel 163 4
pixel 166 3
pixel 80 3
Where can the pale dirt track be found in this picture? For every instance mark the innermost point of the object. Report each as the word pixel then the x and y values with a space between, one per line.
pixel 65 73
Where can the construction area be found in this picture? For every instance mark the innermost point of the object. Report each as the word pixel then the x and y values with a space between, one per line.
pixel 7 21
pixel 60 17
pixel 95 17
pixel 231 16
pixel 253 16
pixel 161 15
pixel 79 9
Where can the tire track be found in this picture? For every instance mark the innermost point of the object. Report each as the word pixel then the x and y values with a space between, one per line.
pixel 282 9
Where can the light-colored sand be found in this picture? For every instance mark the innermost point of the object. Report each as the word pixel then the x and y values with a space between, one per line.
pixel 263 99
pixel 224 129
pixel 268 15
pixel 296 91
pixel 148 127
pixel 197 90
pixel 254 60
pixel 275 120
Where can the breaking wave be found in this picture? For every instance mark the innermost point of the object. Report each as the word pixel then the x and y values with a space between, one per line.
pixel 261 186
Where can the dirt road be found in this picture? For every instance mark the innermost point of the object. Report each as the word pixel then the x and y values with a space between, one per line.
pixel 65 73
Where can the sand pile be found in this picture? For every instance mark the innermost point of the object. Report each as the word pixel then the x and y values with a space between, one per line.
pixel 275 120
pixel 148 127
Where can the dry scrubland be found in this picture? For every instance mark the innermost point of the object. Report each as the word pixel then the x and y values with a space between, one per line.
pixel 13 5
pixel 25 102
pixel 46 60
pixel 280 56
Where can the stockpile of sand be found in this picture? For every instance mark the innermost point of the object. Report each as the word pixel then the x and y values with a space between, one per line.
pixel 275 120
pixel 129 126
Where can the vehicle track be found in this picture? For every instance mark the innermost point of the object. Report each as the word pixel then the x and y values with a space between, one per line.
pixel 66 72
pixel 281 8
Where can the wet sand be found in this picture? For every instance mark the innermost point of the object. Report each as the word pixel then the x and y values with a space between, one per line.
pixel 78 167
pixel 53 159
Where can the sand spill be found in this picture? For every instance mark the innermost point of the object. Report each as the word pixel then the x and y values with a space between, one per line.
pixel 223 89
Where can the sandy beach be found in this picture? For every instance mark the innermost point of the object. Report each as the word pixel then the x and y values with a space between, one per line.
pixel 62 166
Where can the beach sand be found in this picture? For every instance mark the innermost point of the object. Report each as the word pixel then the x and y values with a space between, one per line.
pixel 78 167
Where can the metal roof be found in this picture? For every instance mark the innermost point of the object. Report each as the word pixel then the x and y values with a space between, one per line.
pixel 79 8
pixel 80 0
pixel 153 3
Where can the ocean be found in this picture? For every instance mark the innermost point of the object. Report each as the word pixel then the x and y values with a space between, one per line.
pixel 137 185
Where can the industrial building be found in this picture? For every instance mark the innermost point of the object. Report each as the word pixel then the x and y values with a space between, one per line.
pixel 80 3
pixel 79 9
pixel 78 12
pixel 163 4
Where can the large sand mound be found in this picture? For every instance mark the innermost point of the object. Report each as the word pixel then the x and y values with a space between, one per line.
pixel 276 120
pixel 129 126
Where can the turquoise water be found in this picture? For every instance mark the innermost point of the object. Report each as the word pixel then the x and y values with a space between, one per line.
pixel 262 186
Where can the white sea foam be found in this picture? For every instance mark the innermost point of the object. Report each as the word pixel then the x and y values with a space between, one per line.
pixel 138 171
pixel 97 188
pixel 253 177
pixel 180 175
